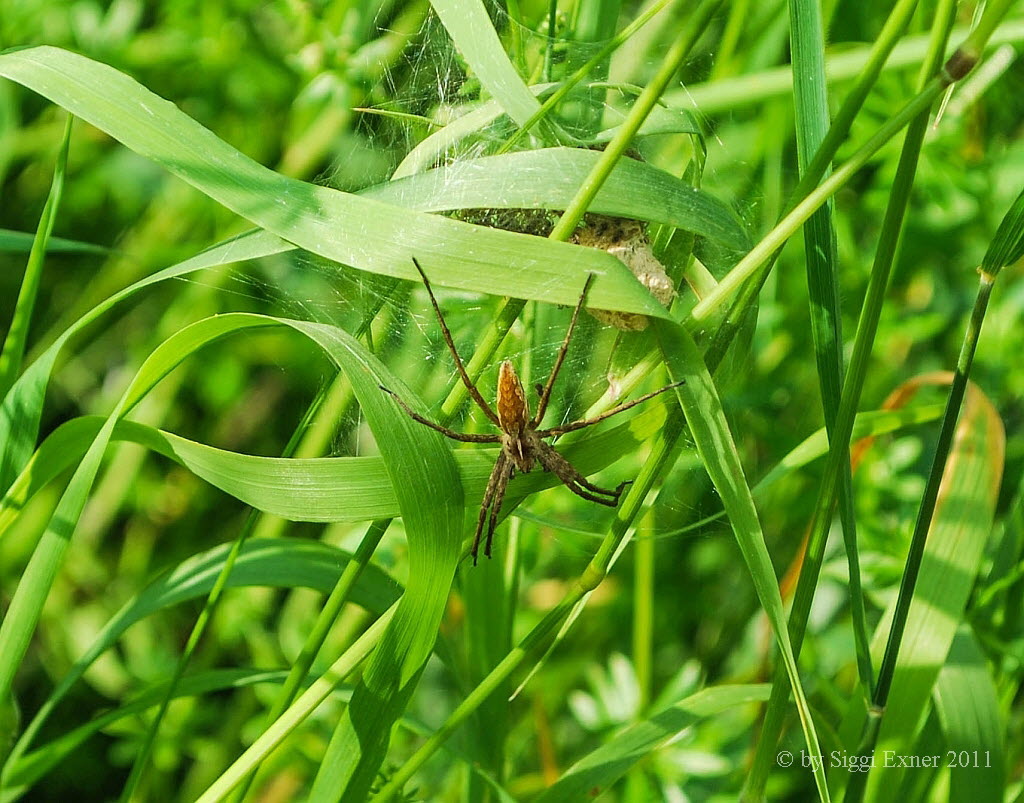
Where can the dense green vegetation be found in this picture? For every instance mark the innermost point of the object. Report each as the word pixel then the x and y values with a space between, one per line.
pixel 232 567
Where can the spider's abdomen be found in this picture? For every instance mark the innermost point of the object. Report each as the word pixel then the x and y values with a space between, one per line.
pixel 513 410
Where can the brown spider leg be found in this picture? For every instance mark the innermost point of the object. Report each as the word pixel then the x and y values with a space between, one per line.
pixel 499 497
pixel 545 394
pixel 455 354
pixel 547 433
pixel 448 433
pixel 498 480
pixel 573 480
pixel 576 489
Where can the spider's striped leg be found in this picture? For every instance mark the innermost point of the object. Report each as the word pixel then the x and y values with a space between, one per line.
pixel 499 477
pixel 599 490
pixel 473 391
pixel 574 481
pixel 580 492
pixel 499 497
pixel 545 390
pixel 464 437
pixel 589 422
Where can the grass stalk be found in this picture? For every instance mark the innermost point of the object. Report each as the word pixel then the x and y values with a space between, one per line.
pixel 1006 247
pixel 838 453
pixel 812 127
pixel 16 339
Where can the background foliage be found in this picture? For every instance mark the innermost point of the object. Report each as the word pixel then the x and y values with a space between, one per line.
pixel 663 670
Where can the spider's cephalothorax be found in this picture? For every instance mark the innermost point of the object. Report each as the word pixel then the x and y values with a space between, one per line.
pixel 522 443
pixel 514 418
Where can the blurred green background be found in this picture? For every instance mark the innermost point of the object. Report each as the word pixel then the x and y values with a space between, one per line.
pixel 284 83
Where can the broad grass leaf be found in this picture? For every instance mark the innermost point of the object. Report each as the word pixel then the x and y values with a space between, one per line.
pixel 550 177
pixel 953 554
pixel 366 234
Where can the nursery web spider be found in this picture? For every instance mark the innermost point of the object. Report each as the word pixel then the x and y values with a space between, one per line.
pixel 521 441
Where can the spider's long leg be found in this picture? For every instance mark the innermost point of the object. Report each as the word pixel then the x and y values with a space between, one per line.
pixel 455 354
pixel 576 489
pixel 545 394
pixel 547 433
pixel 448 433
pixel 573 480
pixel 499 497
pixel 499 476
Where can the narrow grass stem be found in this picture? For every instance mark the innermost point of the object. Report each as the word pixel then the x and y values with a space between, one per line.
pixel 637 114
pixel 574 80
pixel 16 339
pixel 919 538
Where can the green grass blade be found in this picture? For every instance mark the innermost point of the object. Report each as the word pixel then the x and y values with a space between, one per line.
pixel 967 703
pixel 16 338
pixel 20 242
pixel 368 235
pixel 437 525
pixel 807 40
pixel 717 449
pixel 471 30
pixel 549 178
pixel 426 481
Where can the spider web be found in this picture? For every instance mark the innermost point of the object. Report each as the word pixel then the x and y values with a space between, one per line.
pixel 429 86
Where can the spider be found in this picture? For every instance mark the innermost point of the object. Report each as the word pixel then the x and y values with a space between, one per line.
pixel 522 443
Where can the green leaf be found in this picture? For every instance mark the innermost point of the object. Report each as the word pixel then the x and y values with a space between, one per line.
pixel 366 234
pixel 967 703
pixel 549 178
pixel 596 772
pixel 471 30
pixel 717 449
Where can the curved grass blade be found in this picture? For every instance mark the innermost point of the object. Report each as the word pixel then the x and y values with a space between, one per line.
pixel 549 178
pixel 310 489
pixel 471 30
pixel 717 449
pixel 429 494
pixel 20 242
pixel 366 234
